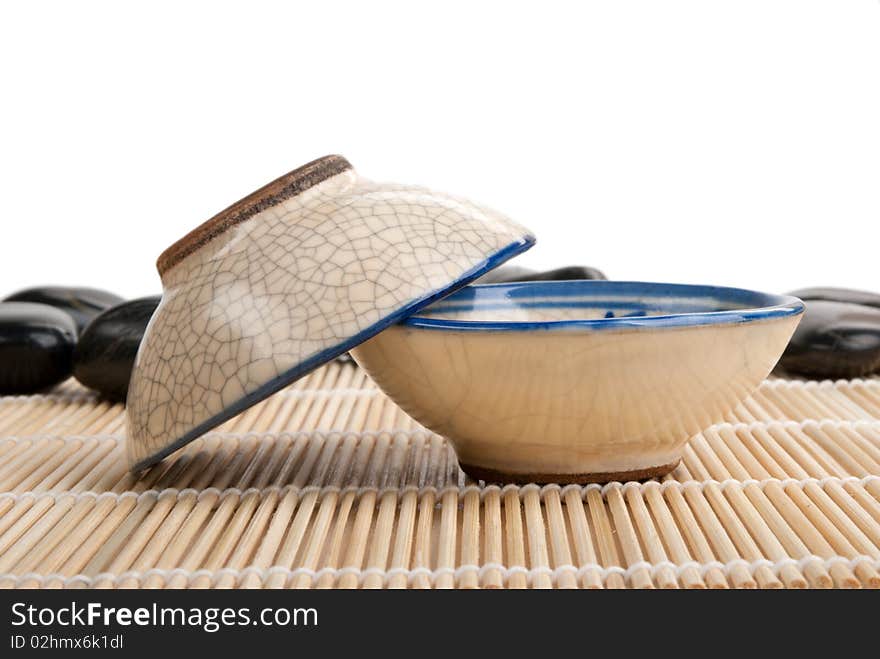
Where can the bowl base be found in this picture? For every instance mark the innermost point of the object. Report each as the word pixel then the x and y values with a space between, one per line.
pixel 496 476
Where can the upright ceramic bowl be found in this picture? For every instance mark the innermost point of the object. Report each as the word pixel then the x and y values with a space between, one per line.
pixel 579 381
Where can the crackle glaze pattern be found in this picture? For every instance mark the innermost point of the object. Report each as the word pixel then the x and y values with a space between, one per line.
pixel 304 279
pixel 573 404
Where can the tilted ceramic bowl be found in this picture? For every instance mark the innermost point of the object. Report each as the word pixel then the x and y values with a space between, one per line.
pixel 579 381
pixel 288 278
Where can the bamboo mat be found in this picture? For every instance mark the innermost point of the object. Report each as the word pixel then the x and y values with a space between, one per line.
pixel 328 484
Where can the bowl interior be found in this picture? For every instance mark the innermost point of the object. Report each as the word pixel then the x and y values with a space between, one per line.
pixel 598 304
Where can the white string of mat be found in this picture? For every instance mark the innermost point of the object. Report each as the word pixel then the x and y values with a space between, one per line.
pixel 439 492
pixel 422 433
pixel 780 383
pixel 434 575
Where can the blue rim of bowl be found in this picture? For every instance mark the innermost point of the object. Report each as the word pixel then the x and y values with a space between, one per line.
pixel 319 359
pixel 755 306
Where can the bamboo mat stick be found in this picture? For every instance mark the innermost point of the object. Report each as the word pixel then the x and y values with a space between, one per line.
pixel 92 419
pixel 640 577
pixel 333 560
pixel 837 543
pixel 690 576
pixel 838 451
pixel 493 543
pixel 325 513
pixel 421 560
pixel 108 518
pixel 789 405
pixel 244 531
pixel 850 504
pixel 363 520
pixel 730 537
pixel 198 532
pixel 6 447
pixel 251 540
pixel 235 508
pixel 514 536
pixel 870 446
pixel 828 464
pixel 559 541
pixel 861 397
pixel 14 413
pixel 49 454
pixel 761 398
pixel 664 575
pixel 866 496
pixel 807 540
pixel 69 424
pixel 447 541
pixel 86 467
pixel 762 533
pixel 383 529
pixel 18 519
pixel 32 416
pixel 862 451
pixel 853 409
pixel 191 503
pixel 28 531
pixel 580 531
pixel 608 554
pixel 294 537
pixel 749 503
pixel 812 402
pixel 24 461
pixel 756 411
pixel 403 541
pixel 700 533
pixel 321 526
pixel 66 409
pixel 215 506
pixel 161 541
pixel 108 419
pixel 150 512
pixel 536 536
pixel 72 531
pixel 470 538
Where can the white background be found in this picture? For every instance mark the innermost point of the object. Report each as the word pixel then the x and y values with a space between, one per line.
pixel 731 143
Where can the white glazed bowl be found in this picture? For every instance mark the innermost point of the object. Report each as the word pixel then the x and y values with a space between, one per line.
pixel 286 279
pixel 579 381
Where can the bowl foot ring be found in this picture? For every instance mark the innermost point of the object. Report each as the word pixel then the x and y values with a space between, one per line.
pixel 496 476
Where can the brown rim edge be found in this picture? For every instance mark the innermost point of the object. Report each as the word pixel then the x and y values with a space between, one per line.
pixel 495 476
pixel 284 187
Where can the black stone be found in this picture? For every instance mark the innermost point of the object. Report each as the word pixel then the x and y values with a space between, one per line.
pixel 105 352
pixel 834 340
pixel 82 304
pixel 36 344
pixel 515 273
pixel 830 294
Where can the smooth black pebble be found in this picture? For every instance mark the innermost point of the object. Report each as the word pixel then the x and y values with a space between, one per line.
pixel 831 294
pixel 834 340
pixel 83 304
pixel 36 346
pixel 515 273
pixel 105 352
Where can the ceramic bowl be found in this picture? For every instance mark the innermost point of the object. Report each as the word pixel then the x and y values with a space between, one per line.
pixel 288 278
pixel 579 381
